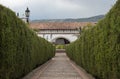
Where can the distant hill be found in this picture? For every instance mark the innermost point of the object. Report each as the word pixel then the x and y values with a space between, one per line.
pixel 90 19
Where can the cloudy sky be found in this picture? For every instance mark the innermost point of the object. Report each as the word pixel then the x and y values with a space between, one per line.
pixel 60 9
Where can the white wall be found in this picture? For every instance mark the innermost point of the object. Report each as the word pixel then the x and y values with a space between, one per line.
pixel 51 36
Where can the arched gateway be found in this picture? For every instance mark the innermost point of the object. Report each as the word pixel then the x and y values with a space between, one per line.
pixel 59 32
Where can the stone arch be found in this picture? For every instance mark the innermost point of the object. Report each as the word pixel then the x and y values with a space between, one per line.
pixel 61 40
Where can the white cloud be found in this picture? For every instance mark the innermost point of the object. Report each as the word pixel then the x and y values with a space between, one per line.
pixel 66 4
pixel 13 3
pixel 46 9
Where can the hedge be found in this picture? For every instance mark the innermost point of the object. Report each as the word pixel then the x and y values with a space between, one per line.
pixel 21 50
pixel 98 48
pixel 60 46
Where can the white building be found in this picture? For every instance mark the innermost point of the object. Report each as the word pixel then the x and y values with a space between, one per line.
pixel 61 36
pixel 59 32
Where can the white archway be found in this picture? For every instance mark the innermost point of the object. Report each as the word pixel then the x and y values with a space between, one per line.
pixel 52 37
pixel 69 37
pixel 61 40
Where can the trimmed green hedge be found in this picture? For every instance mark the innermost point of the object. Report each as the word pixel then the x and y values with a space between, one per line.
pixel 60 46
pixel 21 50
pixel 98 48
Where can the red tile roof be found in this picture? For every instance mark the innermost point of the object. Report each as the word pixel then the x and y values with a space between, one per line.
pixel 59 25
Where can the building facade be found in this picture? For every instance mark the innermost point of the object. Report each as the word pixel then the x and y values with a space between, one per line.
pixel 59 33
pixel 59 36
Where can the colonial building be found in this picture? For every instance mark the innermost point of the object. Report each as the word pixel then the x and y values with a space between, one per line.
pixel 59 32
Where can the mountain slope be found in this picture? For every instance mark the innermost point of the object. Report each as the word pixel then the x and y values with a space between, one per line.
pixel 90 19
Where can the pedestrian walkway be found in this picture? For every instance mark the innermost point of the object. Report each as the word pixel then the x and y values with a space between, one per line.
pixel 59 67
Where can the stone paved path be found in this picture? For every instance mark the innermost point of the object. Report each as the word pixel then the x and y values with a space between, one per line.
pixel 58 68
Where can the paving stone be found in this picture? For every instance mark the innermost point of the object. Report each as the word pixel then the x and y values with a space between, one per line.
pixel 60 67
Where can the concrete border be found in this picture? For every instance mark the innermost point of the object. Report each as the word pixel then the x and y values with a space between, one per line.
pixel 60 50
pixel 81 71
pixel 37 72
